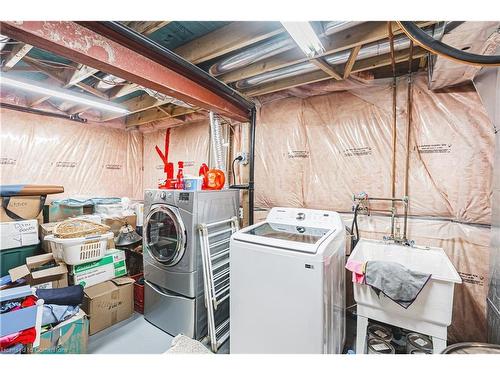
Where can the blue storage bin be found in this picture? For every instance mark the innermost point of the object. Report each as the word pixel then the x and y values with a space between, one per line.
pixel 15 321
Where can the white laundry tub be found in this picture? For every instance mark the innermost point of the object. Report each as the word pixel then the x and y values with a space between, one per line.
pixel 431 312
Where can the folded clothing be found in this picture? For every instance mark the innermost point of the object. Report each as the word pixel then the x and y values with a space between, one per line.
pixel 68 296
pixel 395 281
pixel 55 313
pixel 10 306
pixel 26 336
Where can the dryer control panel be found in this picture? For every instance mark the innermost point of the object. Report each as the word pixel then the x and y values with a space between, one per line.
pixel 304 217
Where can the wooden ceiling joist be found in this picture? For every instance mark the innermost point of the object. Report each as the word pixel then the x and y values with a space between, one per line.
pixel 317 76
pixel 18 52
pixel 367 32
pixel 84 46
pixel 351 61
pixel 137 104
pixel 61 76
pixel 146 27
pixel 74 78
pixel 158 113
pixel 327 68
pixel 227 39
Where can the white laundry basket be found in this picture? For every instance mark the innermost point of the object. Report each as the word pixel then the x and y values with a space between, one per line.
pixel 75 251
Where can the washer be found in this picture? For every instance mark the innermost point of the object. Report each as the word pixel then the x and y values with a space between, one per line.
pixel 173 274
pixel 288 284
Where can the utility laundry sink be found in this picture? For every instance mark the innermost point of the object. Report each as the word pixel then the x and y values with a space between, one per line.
pixel 430 313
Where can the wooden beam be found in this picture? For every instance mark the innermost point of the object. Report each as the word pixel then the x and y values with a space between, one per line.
pixel 327 68
pixel 229 38
pixel 347 39
pixel 18 52
pixel 137 104
pixel 74 78
pixel 317 76
pixel 83 72
pixel 351 61
pixel 146 27
pixel 60 76
pixel 157 113
pixel 119 91
pixel 82 45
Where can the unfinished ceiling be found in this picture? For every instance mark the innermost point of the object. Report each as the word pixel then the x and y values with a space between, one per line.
pixel 254 58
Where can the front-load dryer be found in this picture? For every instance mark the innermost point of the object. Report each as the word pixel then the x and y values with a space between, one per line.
pixel 173 273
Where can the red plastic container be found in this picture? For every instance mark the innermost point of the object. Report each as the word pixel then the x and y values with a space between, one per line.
pixel 138 294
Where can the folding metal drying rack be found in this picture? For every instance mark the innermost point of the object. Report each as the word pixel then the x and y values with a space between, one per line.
pixel 214 244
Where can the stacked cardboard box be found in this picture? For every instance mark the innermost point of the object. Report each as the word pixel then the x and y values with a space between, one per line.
pixel 19 219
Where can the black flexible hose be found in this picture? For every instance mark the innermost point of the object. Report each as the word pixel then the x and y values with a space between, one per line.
pixel 232 167
pixel 355 225
pixel 419 36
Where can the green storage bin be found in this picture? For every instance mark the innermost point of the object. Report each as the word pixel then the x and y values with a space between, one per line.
pixel 16 257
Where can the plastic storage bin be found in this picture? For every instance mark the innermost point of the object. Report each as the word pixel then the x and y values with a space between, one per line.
pixel 16 257
pixel 24 318
pixel 75 251
pixel 138 293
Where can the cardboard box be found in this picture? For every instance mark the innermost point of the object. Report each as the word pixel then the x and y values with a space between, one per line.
pixel 52 277
pixel 18 234
pixel 115 223
pixel 21 208
pixel 46 229
pixel 68 337
pixel 109 303
pixel 111 266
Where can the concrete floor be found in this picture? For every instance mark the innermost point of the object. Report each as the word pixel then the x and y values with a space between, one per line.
pixel 134 336
pixel 137 336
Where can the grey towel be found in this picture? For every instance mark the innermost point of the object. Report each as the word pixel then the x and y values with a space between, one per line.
pixel 396 281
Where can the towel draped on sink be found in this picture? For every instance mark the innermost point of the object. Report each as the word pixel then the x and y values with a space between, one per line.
pixel 397 282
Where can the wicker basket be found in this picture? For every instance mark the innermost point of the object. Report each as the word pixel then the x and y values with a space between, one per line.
pixel 75 228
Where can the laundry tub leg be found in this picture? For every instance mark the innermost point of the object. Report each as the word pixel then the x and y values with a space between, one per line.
pixel 438 345
pixel 362 326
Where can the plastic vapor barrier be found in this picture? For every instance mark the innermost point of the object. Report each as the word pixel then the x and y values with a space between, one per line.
pixel 324 148
pixel 188 143
pixel 87 159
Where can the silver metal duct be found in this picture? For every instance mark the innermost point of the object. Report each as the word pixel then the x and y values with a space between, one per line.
pixel 370 50
pixel 333 27
pixel 109 81
pixel 269 48
pixel 3 41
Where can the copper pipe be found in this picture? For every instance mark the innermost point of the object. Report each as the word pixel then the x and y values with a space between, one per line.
pixel 408 133
pixel 394 123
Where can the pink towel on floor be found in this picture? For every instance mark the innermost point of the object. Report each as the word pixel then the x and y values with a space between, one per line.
pixel 358 271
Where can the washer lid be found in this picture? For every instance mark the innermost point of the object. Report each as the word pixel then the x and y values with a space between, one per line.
pixel 295 233
pixel 285 236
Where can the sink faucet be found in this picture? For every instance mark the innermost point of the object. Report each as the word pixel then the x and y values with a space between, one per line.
pixel 362 205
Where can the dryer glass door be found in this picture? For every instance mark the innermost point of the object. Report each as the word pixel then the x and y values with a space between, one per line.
pixel 165 235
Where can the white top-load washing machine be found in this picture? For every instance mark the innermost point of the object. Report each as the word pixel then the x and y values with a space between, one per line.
pixel 288 284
